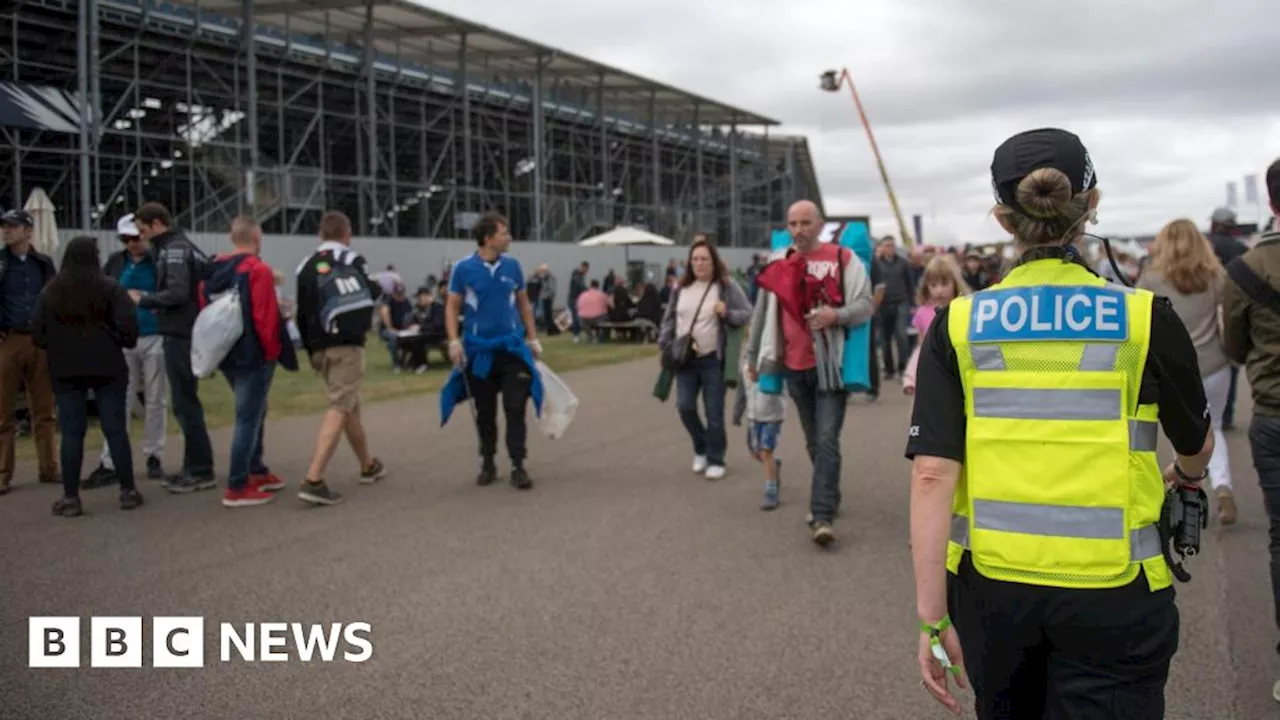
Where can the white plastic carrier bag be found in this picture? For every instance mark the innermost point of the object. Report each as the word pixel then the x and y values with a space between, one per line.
pixel 559 404
pixel 218 326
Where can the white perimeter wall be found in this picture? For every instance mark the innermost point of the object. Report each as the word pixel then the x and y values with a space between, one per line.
pixel 416 258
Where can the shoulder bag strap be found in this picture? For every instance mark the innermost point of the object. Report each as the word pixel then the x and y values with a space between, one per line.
pixel 1254 286
pixel 699 310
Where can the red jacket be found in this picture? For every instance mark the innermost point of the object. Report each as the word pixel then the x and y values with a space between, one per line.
pixel 255 282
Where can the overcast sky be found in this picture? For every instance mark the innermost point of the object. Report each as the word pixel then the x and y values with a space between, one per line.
pixel 1173 98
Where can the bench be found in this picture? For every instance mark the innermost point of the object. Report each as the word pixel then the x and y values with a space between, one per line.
pixel 638 330
pixel 407 344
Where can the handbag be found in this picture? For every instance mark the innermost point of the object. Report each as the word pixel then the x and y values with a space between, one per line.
pixel 680 352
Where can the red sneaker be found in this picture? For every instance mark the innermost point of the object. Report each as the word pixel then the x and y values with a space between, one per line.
pixel 266 483
pixel 250 495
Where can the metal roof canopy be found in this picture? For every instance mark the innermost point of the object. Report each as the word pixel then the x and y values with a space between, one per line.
pixel 433 38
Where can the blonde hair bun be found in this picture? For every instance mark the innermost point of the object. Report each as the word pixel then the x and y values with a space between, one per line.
pixel 1045 193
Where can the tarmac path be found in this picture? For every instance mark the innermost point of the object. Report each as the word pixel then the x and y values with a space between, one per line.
pixel 621 587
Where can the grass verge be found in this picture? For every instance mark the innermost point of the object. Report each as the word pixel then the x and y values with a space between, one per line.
pixel 302 392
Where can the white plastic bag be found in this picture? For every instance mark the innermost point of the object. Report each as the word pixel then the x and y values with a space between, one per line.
pixel 559 404
pixel 218 326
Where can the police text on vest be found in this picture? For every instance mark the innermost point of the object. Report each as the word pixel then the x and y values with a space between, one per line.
pixel 1049 312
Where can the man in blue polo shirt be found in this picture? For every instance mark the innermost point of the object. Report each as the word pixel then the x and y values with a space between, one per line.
pixel 494 346
pixel 134 267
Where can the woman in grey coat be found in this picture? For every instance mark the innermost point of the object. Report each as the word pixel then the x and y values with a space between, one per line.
pixel 703 305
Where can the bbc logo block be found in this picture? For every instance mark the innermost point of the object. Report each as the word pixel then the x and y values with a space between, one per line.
pixel 177 642
pixel 53 642
pixel 115 642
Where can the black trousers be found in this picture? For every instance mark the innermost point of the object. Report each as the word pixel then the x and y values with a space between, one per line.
pixel 184 393
pixel 1264 440
pixel 1038 653
pixel 548 313
pixel 511 378
pixel 874 365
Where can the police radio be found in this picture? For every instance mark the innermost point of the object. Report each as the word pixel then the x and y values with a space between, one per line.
pixel 1184 515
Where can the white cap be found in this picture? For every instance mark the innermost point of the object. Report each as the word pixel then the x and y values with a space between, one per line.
pixel 126 226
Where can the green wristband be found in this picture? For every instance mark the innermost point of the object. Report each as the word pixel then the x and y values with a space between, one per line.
pixel 936 630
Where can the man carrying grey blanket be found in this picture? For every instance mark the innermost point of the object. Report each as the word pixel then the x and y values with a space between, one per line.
pixel 811 354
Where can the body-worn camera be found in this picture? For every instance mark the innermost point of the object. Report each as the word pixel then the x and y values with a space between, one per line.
pixel 1184 516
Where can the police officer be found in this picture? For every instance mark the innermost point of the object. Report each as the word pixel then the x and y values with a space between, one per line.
pixel 1035 490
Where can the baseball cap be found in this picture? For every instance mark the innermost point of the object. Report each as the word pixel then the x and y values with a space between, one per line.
pixel 17 217
pixel 127 227
pixel 1029 151
pixel 1223 215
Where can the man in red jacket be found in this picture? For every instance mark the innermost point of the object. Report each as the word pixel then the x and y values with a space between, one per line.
pixel 250 364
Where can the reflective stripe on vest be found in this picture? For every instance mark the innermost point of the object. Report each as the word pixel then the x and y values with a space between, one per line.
pixel 1096 357
pixel 1144 543
pixel 1040 404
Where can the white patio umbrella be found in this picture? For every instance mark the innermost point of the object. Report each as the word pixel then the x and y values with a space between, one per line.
pixel 625 236
pixel 44 236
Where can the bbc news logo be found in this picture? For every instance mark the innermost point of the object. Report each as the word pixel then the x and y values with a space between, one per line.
pixel 178 642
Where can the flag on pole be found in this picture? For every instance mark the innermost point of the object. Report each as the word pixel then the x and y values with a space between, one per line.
pixel 1250 189
pixel 1233 198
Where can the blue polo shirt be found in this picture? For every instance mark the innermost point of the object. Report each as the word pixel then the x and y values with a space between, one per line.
pixel 488 293
pixel 23 281
pixel 140 274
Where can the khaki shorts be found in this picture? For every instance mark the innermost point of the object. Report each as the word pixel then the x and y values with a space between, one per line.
pixel 343 371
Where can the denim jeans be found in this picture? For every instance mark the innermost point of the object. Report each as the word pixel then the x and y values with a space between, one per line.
pixel 1264 439
pixel 72 402
pixel 822 419
pixel 184 390
pixel 576 326
pixel 704 374
pixel 390 338
pixel 250 389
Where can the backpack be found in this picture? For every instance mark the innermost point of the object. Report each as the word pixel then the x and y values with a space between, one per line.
pixel 342 289
pixel 218 327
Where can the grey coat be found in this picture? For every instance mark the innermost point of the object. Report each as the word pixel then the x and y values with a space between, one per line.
pixel 737 314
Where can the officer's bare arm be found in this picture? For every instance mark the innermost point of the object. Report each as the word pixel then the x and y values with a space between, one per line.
pixel 933 489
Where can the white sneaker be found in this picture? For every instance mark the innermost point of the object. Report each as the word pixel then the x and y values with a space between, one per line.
pixel 715 472
pixel 699 463
pixel 1275 691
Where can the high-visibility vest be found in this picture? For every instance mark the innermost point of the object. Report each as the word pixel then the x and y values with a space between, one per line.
pixel 1060 485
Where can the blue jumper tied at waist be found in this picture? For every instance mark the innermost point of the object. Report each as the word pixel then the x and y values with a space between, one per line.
pixel 479 358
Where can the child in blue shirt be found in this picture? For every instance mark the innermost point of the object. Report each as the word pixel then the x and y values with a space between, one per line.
pixel 765 414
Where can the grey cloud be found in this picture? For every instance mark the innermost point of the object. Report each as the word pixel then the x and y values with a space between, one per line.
pixel 1172 97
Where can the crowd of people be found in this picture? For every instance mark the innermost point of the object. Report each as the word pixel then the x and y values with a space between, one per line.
pixel 110 333
pixel 1017 505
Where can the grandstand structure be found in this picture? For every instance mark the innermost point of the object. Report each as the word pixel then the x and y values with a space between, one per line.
pixel 410 120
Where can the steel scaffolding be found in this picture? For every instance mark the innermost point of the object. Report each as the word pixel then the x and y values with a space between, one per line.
pixel 409 120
